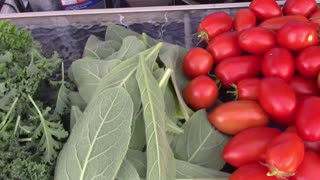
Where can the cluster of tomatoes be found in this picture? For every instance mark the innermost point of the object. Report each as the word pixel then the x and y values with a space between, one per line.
pixel 269 58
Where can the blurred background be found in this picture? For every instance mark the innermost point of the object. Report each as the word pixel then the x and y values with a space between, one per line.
pixel 20 6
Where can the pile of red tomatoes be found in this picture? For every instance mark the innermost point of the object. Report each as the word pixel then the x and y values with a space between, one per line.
pixel 269 58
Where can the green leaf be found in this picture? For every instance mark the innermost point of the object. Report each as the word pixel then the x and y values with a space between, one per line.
pixel 76 100
pixel 139 160
pixel 62 102
pixel 138 139
pixel 118 33
pixel 48 131
pixel 148 41
pixel 88 72
pixel 75 115
pixel 199 141
pixel 160 159
pixel 188 170
pixel 131 45
pixel 98 49
pixel 172 56
pixel 127 172
pixel 99 141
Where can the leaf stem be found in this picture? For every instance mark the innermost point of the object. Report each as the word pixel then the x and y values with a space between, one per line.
pixel 25 140
pixel 164 79
pixel 13 105
pixel 17 125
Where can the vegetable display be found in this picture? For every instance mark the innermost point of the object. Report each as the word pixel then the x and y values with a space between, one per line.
pixel 243 104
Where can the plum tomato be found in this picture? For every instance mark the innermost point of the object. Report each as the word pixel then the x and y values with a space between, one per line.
pixel 246 89
pixel 214 24
pixel 196 62
pixel 201 93
pixel 277 22
pixel 265 9
pixel 278 62
pixel 301 7
pixel 249 146
pixel 225 45
pixel 254 171
pixel 257 40
pixel 277 98
pixel 304 86
pixel 309 168
pixel 308 119
pixel 244 19
pixel 298 35
pixel 284 155
pixel 233 69
pixel 308 62
pixel 235 116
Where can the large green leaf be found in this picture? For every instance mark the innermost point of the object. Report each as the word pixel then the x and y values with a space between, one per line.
pixel 160 159
pixel 99 141
pixel 75 115
pixel 118 33
pixel 138 139
pixel 127 172
pixel 139 160
pixel 199 141
pixel 98 49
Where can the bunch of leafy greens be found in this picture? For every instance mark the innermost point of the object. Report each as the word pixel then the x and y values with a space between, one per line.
pixel 128 118
pixel 31 131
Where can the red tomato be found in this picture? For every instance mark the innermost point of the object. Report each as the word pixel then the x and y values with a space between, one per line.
pixel 247 89
pixel 233 69
pixel 253 171
pixel 278 62
pixel 277 98
pixel 244 19
pixel 301 7
pixel 308 119
pixel 318 80
pixel 197 62
pixel 308 62
pixel 284 154
pixel 225 45
pixel 235 116
pixel 298 35
pixel 257 40
pixel 265 9
pixel 315 16
pixel 201 93
pixel 309 146
pixel 249 146
pixel 277 22
pixel 214 24
pixel 303 86
pixel 309 168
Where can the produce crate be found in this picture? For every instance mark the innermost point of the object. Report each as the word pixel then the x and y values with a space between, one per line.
pixel 67 31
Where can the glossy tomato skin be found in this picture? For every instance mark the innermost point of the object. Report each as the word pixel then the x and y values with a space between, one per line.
pixel 254 171
pixel 308 62
pixel 197 62
pixel 277 22
pixel 284 154
pixel 301 7
pixel 235 116
pixel 304 86
pixel 309 168
pixel 214 24
pixel 277 98
pixel 298 35
pixel 315 16
pixel 225 45
pixel 257 40
pixel 249 146
pixel 308 119
pixel 248 88
pixel 201 93
pixel 265 9
pixel 244 19
pixel 233 69
pixel 278 62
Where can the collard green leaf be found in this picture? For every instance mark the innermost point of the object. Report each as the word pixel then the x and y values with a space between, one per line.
pixel 76 100
pixel 127 172
pixel 172 56
pixel 188 170
pixel 148 41
pixel 199 141
pixel 160 159
pixel 87 73
pixel 139 160
pixel 118 33
pixel 99 141
pixel 138 139
pixel 131 45
pixel 75 115
pixel 98 49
